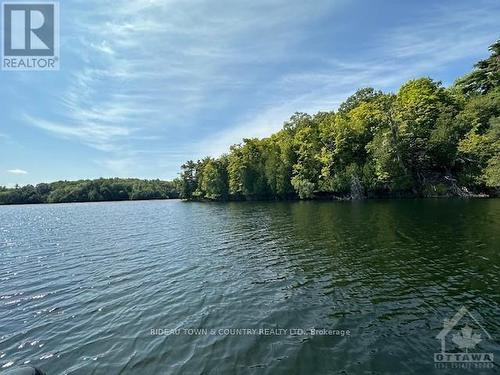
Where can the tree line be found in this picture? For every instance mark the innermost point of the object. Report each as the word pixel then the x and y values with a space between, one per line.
pixel 425 140
pixel 112 189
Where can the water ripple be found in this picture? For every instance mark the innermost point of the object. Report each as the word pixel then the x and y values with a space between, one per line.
pixel 83 285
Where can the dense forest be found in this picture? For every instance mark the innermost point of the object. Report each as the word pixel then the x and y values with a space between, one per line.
pixel 112 189
pixel 425 140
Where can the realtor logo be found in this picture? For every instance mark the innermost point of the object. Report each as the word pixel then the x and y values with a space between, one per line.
pixel 30 36
pixel 464 332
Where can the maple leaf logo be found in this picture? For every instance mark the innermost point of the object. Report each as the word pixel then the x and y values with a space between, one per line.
pixel 466 339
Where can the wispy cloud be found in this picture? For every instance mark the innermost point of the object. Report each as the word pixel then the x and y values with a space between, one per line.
pixel 17 171
pixel 94 134
pixel 194 77
pixel 151 68
pixel 397 55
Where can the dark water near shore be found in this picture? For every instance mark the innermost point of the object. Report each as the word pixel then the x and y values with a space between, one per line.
pixel 82 286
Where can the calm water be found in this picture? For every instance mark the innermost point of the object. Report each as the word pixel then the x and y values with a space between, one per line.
pixel 83 285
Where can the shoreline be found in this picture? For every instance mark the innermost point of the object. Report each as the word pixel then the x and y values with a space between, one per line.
pixel 86 202
pixel 366 199
pixel 474 197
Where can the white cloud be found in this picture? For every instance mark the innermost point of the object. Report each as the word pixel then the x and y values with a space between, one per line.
pixel 152 68
pixel 152 65
pixel 399 55
pixel 17 171
pixel 94 134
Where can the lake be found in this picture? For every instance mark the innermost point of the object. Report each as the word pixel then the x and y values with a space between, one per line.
pixel 248 288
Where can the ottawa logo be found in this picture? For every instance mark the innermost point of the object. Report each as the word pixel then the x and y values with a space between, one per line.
pixel 462 334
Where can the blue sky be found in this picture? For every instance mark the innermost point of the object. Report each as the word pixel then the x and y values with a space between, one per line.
pixel 146 84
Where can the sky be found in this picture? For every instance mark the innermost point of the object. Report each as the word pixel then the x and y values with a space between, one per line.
pixel 145 85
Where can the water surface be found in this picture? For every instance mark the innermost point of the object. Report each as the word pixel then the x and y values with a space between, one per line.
pixel 82 286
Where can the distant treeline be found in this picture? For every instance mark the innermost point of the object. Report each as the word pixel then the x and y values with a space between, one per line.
pixel 426 140
pixel 112 189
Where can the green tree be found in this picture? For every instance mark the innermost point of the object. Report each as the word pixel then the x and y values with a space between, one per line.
pixel 214 182
pixel 307 169
pixel 364 95
pixel 486 75
pixel 189 179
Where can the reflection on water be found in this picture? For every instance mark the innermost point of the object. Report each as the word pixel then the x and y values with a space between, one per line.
pixel 83 285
